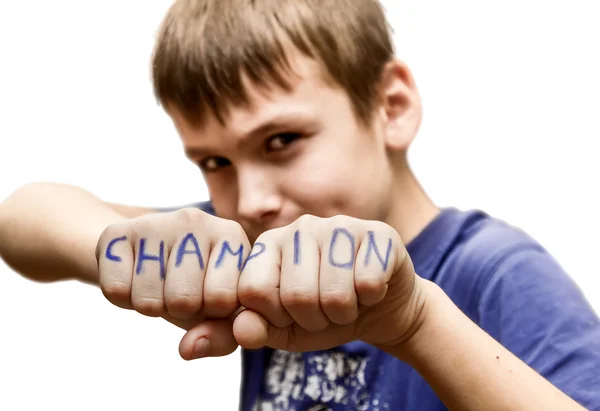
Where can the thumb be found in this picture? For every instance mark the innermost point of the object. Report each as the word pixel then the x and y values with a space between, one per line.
pixel 252 331
pixel 211 338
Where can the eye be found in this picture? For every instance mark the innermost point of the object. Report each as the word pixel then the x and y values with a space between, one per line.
pixel 212 164
pixel 281 141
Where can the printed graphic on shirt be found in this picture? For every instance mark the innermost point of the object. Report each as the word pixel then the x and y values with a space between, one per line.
pixel 317 382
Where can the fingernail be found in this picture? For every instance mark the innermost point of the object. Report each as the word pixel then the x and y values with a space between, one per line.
pixel 201 348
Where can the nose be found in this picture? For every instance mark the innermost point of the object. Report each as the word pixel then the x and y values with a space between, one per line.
pixel 258 197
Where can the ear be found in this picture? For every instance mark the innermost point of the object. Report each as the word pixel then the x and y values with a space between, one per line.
pixel 401 109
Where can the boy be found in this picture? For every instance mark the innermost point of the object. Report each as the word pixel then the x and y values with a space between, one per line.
pixel 277 104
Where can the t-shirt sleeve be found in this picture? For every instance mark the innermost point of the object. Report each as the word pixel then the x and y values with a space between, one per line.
pixel 536 311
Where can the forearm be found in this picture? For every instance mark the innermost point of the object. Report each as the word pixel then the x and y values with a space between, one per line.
pixel 48 232
pixel 469 370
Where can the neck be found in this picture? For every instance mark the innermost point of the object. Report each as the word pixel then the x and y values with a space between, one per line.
pixel 412 210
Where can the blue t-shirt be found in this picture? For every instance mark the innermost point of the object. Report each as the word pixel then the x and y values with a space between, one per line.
pixel 499 277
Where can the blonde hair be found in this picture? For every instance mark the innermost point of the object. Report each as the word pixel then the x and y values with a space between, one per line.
pixel 205 47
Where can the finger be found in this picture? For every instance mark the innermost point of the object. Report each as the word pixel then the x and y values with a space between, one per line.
pixel 258 287
pixel 252 331
pixel 299 288
pixel 223 270
pixel 184 282
pixel 336 282
pixel 377 259
pixel 115 267
pixel 149 272
pixel 212 338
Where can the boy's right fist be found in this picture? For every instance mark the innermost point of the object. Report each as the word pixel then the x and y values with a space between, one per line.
pixel 183 266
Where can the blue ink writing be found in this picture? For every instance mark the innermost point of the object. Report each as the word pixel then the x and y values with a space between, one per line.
pixel 297 247
pixel 347 265
pixel 372 247
pixel 142 256
pixel 227 249
pixel 112 243
pixel 181 251
pixel 253 254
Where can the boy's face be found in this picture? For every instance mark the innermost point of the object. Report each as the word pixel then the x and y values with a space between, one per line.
pixel 293 153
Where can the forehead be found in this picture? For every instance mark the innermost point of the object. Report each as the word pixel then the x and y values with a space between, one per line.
pixel 311 93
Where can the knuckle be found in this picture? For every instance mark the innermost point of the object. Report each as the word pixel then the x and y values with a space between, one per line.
pixel 252 292
pixel 336 298
pixel 235 228
pixel 271 236
pixel 385 230
pixel 220 298
pixel 232 229
pixel 338 220
pixel 229 226
pixel 308 222
pixel 112 231
pixel 264 237
pixel 391 233
pixel 116 290
pixel 150 306
pixel 188 215
pixel 298 297
pixel 183 304
pixel 373 283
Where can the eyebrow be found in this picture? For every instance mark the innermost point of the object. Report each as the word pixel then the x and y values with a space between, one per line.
pixel 276 124
pixel 271 126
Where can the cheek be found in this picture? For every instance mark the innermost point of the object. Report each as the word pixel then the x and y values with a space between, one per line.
pixel 316 189
pixel 336 184
pixel 223 196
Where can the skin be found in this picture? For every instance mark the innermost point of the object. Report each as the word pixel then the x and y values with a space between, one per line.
pixel 265 187
pixel 268 180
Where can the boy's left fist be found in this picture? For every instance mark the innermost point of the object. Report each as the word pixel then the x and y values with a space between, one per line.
pixel 322 282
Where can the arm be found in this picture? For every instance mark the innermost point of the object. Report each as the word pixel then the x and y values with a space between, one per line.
pixel 49 232
pixel 532 331
pixel 469 370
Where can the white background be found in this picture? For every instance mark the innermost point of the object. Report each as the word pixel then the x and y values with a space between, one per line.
pixel 511 92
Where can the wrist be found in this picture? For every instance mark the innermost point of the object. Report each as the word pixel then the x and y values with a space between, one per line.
pixel 432 321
